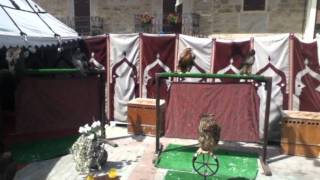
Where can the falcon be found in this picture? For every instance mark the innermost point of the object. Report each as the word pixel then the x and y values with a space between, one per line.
pixel 186 60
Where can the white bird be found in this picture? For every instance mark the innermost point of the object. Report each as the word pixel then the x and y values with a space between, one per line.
pixel 95 64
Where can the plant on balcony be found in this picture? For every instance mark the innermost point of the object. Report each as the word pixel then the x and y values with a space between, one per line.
pixel 145 18
pixel 173 18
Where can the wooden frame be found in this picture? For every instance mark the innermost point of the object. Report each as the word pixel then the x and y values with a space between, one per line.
pixel 72 71
pixel 268 88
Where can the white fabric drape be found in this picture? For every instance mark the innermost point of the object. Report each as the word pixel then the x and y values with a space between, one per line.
pixel 272 59
pixel 123 46
pixel 201 48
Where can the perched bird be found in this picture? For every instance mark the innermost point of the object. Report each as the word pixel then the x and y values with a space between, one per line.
pixel 246 65
pixel 16 60
pixel 94 64
pixel 209 133
pixel 186 60
pixel 79 61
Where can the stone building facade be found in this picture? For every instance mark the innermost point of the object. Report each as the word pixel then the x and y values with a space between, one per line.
pixel 215 16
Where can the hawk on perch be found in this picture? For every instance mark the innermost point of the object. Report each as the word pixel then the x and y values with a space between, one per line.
pixel 186 60
pixel 209 133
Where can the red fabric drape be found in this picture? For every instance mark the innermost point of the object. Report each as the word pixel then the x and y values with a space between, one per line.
pixel 52 105
pixel 305 56
pixel 98 46
pixel 235 107
pixel 151 46
pixel 227 51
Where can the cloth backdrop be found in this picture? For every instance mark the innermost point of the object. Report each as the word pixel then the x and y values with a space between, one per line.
pixel 97 46
pixel 272 59
pixel 55 105
pixel 236 113
pixel 157 55
pixel 202 49
pixel 306 76
pixel 124 68
pixel 228 56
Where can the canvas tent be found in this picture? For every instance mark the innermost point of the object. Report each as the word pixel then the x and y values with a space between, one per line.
pixel 25 23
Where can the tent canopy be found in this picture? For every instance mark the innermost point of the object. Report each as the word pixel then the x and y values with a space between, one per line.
pixel 23 22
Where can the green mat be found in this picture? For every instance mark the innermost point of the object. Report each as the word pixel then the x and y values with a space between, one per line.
pixel 42 150
pixel 233 165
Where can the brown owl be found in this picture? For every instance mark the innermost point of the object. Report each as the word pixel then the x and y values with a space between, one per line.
pixel 186 60
pixel 209 133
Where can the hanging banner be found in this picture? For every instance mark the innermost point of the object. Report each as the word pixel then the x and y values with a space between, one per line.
pixel 157 55
pixel 306 76
pixel 228 57
pixel 272 59
pixel 202 50
pixel 124 68
pixel 97 46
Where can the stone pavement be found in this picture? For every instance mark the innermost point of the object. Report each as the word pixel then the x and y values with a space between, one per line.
pixel 133 161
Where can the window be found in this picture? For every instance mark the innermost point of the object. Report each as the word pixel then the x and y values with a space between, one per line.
pixel 254 5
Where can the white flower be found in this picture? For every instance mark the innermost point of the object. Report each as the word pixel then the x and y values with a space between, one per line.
pixel 99 133
pixel 106 126
pixel 82 130
pixel 96 124
pixel 88 129
pixel 86 126
pixel 91 136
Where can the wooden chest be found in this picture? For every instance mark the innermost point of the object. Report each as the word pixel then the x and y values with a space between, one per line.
pixel 301 133
pixel 142 116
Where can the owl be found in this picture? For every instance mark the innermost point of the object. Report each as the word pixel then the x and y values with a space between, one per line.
pixel 186 60
pixel 79 61
pixel 209 133
pixel 246 65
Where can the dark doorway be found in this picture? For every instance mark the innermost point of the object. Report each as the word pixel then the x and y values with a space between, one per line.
pixel 82 16
pixel 172 20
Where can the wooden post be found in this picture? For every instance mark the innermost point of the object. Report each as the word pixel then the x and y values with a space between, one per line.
pixel 265 166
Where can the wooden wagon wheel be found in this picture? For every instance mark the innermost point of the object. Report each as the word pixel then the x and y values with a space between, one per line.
pixel 205 164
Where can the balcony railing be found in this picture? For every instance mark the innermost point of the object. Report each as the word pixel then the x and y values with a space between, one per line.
pixel 85 25
pixel 94 25
pixel 188 24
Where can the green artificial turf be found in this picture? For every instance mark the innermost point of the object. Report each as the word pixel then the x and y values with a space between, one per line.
pixel 232 165
pixel 42 150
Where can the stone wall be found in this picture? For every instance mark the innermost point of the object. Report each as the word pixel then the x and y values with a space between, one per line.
pixel 227 16
pixel 58 8
pixel 119 14
pixel 217 16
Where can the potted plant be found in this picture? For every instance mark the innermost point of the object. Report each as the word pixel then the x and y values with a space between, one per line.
pixel 145 22
pixel 173 18
pixel 88 151
pixel 146 19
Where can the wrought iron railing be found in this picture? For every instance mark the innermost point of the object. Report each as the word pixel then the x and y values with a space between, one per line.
pixel 188 24
pixel 85 25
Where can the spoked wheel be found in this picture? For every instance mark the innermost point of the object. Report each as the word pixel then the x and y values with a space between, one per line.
pixel 205 164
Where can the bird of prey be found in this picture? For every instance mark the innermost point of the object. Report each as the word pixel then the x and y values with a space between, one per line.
pixel 246 65
pixel 186 60
pixel 16 60
pixel 94 64
pixel 209 133
pixel 79 61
